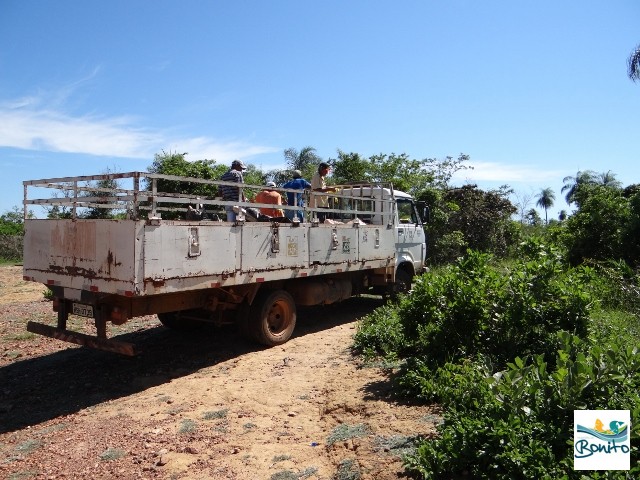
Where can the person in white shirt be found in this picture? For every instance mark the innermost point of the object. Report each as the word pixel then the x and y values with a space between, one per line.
pixel 319 184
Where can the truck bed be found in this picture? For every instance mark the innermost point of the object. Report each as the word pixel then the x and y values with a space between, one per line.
pixel 144 254
pixel 139 258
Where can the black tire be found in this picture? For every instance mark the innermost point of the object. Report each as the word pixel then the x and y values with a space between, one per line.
pixel 174 321
pixel 402 285
pixel 272 317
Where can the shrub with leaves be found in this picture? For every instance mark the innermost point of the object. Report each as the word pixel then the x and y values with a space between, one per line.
pixel 477 308
pixel 531 321
pixel 518 423
pixel 380 333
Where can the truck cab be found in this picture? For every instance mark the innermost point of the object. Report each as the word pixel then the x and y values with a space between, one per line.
pixel 411 246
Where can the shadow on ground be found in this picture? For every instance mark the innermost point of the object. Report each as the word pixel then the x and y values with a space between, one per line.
pixel 38 389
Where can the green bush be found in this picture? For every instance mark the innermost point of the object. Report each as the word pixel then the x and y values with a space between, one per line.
pixel 616 286
pixel 550 332
pixel 476 308
pixel 518 423
pixel 380 333
pixel 500 312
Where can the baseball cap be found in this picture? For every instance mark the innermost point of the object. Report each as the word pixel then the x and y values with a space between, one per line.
pixel 238 163
pixel 296 174
pixel 270 184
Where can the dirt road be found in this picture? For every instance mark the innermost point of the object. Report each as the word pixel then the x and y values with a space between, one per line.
pixel 201 406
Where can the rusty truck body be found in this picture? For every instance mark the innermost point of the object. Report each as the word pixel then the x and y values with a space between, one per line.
pixel 147 258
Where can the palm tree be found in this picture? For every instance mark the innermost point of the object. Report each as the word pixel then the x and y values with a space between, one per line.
pixel 562 216
pixel 546 198
pixel 634 64
pixel 302 160
pixel 571 184
pixel 608 179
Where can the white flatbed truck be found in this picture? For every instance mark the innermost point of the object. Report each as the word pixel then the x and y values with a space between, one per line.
pixel 252 273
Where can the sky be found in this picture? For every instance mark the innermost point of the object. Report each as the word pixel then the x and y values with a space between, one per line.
pixel 532 91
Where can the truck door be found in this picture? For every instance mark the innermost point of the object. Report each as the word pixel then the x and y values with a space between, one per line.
pixel 411 245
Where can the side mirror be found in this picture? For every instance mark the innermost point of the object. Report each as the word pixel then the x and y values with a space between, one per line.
pixel 424 212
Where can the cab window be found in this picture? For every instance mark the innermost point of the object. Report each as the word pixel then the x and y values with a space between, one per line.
pixel 406 212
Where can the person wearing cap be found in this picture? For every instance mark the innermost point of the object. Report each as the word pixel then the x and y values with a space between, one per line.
pixel 298 183
pixel 230 193
pixel 318 184
pixel 272 197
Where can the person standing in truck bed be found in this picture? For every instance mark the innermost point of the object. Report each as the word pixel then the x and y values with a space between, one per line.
pixel 298 183
pixel 231 193
pixel 318 184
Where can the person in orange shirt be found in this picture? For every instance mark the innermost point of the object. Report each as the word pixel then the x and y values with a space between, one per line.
pixel 272 197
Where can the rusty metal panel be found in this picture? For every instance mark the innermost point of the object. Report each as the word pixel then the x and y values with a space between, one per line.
pixel 260 251
pixel 82 254
pixel 166 253
pixel 75 240
pixel 333 244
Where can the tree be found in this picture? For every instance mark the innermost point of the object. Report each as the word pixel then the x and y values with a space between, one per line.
pixel 562 216
pixel 12 221
pixel 546 198
pixel 533 218
pixel 572 184
pixel 483 217
pixel 522 203
pixel 11 233
pixel 595 231
pixel 406 174
pixel 608 179
pixel 98 190
pixel 305 160
pixel 634 64
pixel 177 164
pixel 350 168
pixel 631 232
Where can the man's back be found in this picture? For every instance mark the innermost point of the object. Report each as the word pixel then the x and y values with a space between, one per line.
pixel 272 197
pixel 297 184
pixel 229 192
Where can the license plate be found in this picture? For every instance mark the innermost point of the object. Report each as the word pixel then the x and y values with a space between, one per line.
pixel 83 310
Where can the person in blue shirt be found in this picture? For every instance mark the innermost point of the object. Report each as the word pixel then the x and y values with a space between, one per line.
pixel 298 183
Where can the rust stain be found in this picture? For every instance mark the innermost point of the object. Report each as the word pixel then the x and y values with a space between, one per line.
pixel 109 262
pixel 75 240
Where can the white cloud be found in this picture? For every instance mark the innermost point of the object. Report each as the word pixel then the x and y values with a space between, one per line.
pixel 505 173
pixel 22 126
pixel 201 148
pixel 52 131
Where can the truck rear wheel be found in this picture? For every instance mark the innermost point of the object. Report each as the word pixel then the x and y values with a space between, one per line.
pixel 272 317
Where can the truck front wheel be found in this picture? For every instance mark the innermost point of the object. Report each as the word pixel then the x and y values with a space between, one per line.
pixel 402 285
pixel 272 317
pixel 403 281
